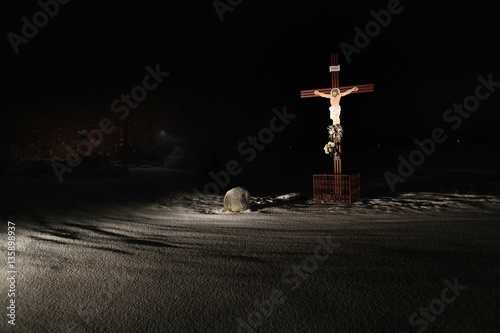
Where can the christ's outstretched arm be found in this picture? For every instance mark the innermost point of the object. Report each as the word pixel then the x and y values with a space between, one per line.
pixel 347 92
pixel 317 93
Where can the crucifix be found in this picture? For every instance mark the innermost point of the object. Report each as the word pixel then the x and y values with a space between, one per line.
pixel 364 88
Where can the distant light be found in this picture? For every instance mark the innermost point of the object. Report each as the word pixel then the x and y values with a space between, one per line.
pixel 378 144
pixel 458 141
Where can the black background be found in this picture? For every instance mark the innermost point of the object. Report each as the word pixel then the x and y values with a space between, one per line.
pixel 226 77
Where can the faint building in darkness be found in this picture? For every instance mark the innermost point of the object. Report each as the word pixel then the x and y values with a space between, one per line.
pixel 52 143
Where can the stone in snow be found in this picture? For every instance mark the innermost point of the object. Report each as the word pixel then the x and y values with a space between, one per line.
pixel 236 200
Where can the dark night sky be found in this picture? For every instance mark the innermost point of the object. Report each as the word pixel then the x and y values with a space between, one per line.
pixel 226 77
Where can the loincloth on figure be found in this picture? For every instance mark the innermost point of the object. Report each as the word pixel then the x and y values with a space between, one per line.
pixel 334 111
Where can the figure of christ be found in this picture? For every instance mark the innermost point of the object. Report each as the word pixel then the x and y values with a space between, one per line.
pixel 335 130
pixel 335 96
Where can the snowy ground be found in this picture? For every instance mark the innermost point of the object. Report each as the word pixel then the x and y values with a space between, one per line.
pixel 180 265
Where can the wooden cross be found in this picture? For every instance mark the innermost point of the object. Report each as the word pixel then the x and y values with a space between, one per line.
pixel 334 69
pixel 363 88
